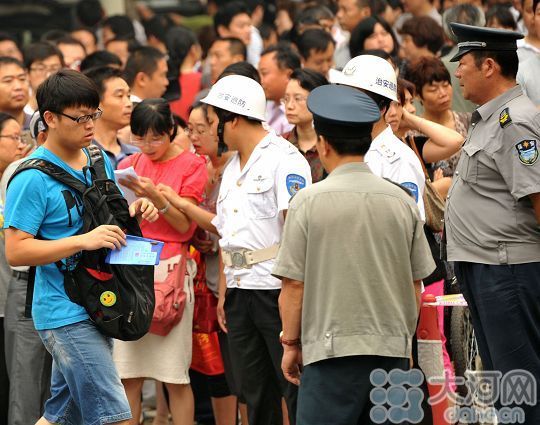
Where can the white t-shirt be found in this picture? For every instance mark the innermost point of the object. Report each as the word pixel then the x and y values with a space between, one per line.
pixel 390 158
pixel 250 203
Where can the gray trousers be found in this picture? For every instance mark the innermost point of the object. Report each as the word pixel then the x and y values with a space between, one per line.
pixel 28 362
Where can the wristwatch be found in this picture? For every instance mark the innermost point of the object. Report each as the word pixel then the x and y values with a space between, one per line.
pixel 289 342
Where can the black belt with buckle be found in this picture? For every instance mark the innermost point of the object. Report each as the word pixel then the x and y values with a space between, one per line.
pixel 20 275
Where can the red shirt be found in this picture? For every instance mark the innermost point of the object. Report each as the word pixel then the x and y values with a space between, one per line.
pixel 187 175
pixel 190 85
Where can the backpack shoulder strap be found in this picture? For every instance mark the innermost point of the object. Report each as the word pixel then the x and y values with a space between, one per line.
pixel 52 170
pixel 29 293
pixel 97 162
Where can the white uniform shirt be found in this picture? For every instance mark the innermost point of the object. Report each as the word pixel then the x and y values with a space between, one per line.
pixel 250 204
pixel 392 159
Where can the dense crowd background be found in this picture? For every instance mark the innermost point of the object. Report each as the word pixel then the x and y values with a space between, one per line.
pixel 290 47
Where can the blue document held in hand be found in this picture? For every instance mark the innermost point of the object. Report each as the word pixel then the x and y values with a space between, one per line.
pixel 138 251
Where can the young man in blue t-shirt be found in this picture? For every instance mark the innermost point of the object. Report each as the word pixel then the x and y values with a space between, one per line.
pixel 43 218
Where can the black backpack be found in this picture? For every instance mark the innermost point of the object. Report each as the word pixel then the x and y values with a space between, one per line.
pixel 118 298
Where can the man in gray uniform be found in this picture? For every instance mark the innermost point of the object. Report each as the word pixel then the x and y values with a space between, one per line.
pixel 493 207
pixel 351 273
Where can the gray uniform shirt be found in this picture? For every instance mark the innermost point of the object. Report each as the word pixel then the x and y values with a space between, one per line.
pixel 357 243
pixel 489 217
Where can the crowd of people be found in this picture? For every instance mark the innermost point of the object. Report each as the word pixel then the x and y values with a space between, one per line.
pixel 259 136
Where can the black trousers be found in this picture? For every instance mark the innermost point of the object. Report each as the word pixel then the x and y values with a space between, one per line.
pixel 337 391
pixel 504 302
pixel 254 324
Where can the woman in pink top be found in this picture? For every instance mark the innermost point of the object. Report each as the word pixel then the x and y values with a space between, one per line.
pixel 163 358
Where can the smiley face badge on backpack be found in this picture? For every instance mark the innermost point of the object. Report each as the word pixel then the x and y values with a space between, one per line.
pixel 108 298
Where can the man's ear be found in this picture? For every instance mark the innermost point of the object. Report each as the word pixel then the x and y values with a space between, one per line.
pixel 50 119
pixel 489 66
pixel 323 145
pixel 366 12
pixel 140 79
pixel 235 121
pixel 222 31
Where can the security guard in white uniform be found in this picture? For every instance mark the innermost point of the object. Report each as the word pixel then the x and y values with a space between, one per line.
pixel 388 156
pixel 260 179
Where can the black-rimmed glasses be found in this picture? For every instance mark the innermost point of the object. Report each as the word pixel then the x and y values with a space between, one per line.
pixel 83 118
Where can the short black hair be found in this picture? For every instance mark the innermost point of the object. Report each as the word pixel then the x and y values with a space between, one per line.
pixel 502 14
pixel 101 75
pixel 425 32
pixel 98 59
pixel 383 102
pixel 343 147
pixel 142 59
pixel 241 68
pixel 312 15
pixel 308 78
pixel 153 115
pixel 236 46
pixel 67 88
pixel 4 118
pixel 313 39
pixel 132 43
pixel 40 51
pixel 266 29
pixel 120 25
pixel 4 36
pixel 8 60
pixel 226 14
pixel 156 26
pixel 535 4
pixel 286 57
pixel 364 30
pixel 54 35
pixel 507 60
pixel 89 12
pixel 378 7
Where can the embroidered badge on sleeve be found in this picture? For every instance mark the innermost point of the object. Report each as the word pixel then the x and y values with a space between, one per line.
pixel 528 151
pixel 294 183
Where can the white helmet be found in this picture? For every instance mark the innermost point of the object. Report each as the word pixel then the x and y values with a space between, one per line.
pixel 238 94
pixel 370 73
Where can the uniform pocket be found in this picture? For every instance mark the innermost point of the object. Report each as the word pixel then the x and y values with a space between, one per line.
pixel 261 199
pixel 469 168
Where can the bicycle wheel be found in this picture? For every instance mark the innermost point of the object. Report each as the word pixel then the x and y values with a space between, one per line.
pixel 464 346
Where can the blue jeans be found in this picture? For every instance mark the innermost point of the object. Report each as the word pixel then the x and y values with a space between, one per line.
pixel 85 387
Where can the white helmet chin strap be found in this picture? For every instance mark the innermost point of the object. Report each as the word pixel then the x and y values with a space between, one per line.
pixel 222 147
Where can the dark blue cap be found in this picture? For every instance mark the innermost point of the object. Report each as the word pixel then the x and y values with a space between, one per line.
pixel 341 111
pixel 471 38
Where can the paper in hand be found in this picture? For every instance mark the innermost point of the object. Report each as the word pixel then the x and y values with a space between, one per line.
pixel 124 174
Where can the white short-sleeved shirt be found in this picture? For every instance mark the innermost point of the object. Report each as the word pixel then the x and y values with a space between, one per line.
pixel 250 203
pixel 392 159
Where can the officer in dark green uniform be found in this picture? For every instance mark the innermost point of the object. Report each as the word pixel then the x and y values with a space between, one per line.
pixel 493 207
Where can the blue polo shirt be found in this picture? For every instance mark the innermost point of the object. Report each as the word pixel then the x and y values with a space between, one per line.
pixel 42 206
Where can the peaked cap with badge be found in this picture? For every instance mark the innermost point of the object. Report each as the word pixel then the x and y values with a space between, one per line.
pixel 342 111
pixel 471 38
